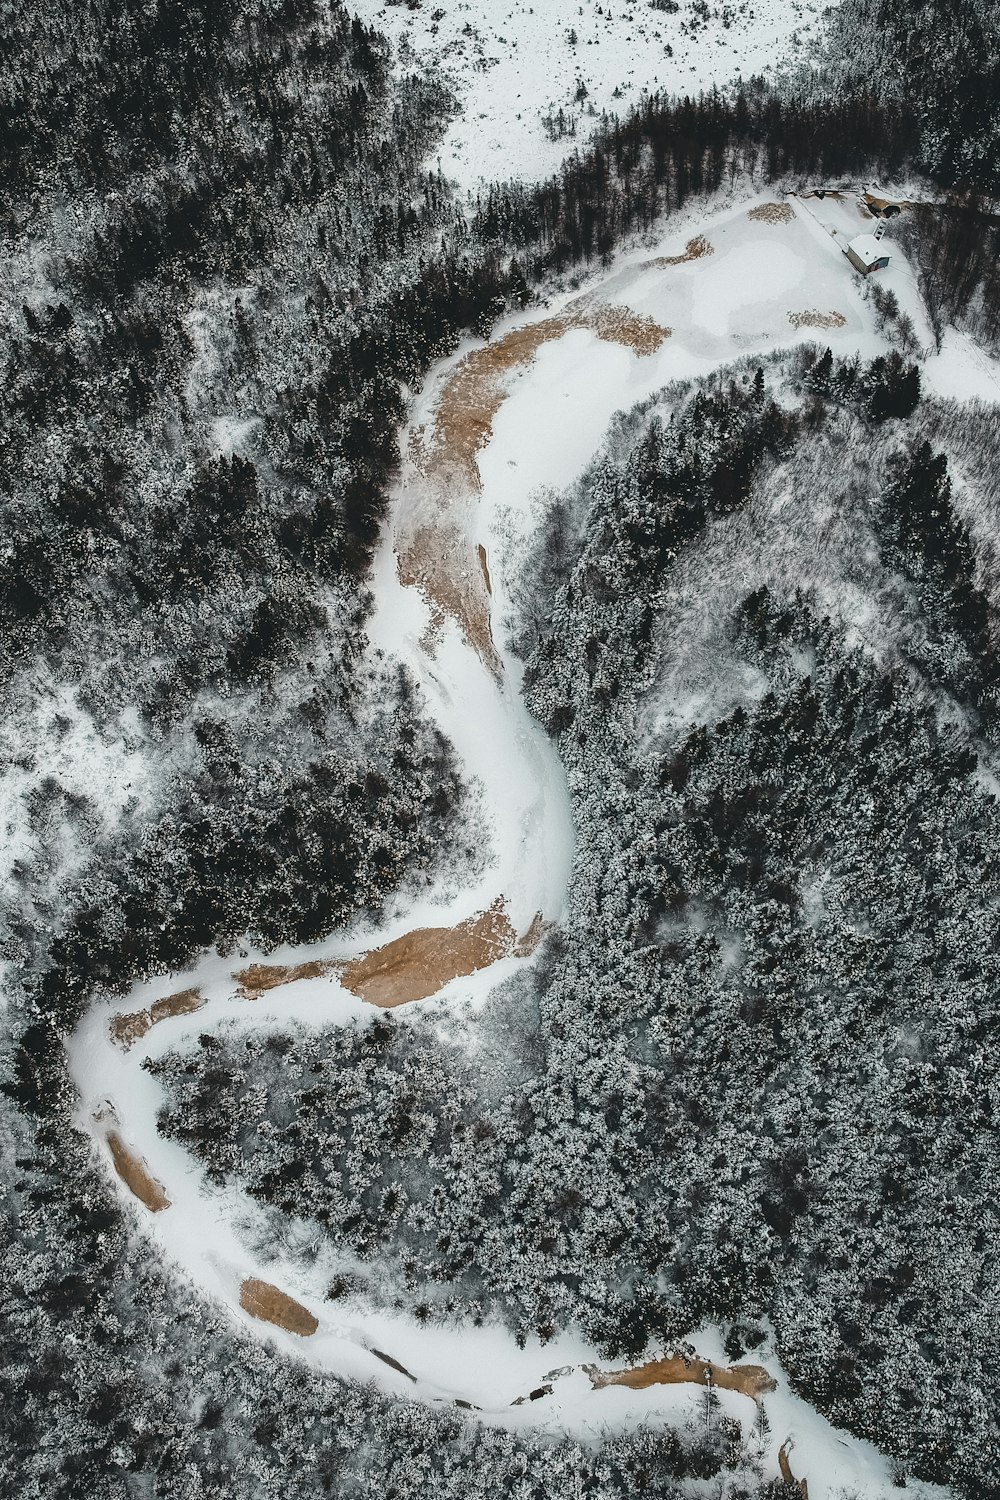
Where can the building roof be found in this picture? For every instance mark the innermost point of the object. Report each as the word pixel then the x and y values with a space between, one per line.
pixel 867 248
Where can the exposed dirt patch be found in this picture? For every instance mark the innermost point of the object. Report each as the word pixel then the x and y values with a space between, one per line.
pixel 266 1302
pixel 128 1029
pixel 485 568
pixel 439 563
pixel 463 422
pixel 438 558
pixel 877 206
pixel 618 325
pixel 420 963
pixel 679 1369
pixel 136 1176
pixel 527 944
pixel 772 213
pixel 393 1364
pixel 259 978
pixel 785 1470
pixel 814 319
pixel 695 249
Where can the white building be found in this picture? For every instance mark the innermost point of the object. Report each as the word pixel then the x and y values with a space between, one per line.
pixel 867 253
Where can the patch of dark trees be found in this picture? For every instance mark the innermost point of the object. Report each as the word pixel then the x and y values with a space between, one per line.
pixel 942 65
pixel 842 770
pixel 153 574
pixel 766 1034
pixel 924 538
pixel 956 247
pixel 670 150
pixel 191 140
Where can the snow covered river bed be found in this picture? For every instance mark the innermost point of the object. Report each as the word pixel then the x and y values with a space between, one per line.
pixel 493 428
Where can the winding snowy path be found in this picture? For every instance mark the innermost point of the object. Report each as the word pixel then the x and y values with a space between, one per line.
pixel 556 405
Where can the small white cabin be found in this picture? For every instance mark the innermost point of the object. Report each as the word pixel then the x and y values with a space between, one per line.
pixel 867 253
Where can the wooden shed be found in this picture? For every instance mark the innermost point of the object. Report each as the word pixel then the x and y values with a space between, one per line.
pixel 867 253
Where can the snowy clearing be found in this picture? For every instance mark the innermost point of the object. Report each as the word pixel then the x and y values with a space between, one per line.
pixel 532 81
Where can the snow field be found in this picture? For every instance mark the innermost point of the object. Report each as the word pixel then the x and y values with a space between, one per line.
pixel 513 65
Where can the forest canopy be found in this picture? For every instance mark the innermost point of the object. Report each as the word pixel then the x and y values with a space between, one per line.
pixel 748 1082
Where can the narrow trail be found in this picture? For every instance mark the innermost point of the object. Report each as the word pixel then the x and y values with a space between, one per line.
pixel 439 595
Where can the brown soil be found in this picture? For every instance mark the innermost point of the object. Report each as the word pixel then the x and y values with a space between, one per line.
pixel 814 319
pixel 772 213
pixel 527 944
pixel 694 250
pixel 134 1173
pixel 878 206
pixel 618 325
pixel 127 1029
pixel 678 1369
pixel 785 1470
pixel 393 1364
pixel 485 567
pixel 472 397
pixel 437 561
pixel 259 978
pixel 422 962
pixel 264 1301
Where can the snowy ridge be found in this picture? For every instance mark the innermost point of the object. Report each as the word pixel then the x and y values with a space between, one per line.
pixel 550 425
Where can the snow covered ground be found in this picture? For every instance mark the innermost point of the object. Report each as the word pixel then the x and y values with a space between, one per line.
pixel 963 370
pixel 557 409
pixel 532 79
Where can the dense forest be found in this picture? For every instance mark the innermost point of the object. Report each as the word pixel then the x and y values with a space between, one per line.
pixel 749 1083
pixel 185 552
pixel 764 1037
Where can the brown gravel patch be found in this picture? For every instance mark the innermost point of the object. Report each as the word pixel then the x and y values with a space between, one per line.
pixel 679 1369
pixel 439 562
pixel 527 944
pixel 420 963
pixel 695 249
pixel 463 422
pixel 136 1176
pixel 785 1470
pixel 814 319
pixel 128 1029
pixel 878 206
pixel 619 325
pixel 484 566
pixel 439 558
pixel 772 213
pixel 266 1302
pixel 259 978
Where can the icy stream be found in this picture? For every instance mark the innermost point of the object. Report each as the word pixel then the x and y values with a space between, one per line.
pixel 556 407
